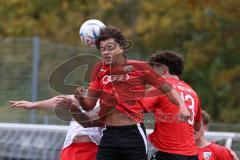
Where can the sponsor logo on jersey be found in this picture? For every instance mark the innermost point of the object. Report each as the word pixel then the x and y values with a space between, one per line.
pixel 207 155
pixel 111 78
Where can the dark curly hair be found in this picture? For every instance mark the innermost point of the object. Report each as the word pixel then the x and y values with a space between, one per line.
pixel 173 60
pixel 111 32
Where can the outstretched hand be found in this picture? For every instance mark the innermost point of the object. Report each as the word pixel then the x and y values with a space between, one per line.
pixel 22 104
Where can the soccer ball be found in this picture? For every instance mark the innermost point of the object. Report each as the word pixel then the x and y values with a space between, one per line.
pixel 89 31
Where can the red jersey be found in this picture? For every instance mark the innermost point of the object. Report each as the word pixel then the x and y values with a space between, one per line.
pixel 170 134
pixel 121 87
pixel 214 152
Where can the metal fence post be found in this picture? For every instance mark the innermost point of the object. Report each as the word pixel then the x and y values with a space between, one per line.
pixel 35 70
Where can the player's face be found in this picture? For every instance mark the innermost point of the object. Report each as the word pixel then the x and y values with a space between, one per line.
pixel 110 51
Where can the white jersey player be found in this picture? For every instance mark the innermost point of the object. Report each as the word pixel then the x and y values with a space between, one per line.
pixel 80 142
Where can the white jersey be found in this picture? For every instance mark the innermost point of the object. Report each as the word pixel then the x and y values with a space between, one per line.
pixel 75 129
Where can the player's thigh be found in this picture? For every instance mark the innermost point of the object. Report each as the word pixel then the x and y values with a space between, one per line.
pixel 134 153
pixel 77 151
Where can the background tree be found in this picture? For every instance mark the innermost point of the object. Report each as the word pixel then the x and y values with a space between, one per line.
pixel 206 32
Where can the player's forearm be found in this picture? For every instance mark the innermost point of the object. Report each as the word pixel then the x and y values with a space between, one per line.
pixel 83 119
pixel 175 98
pixel 183 110
pixel 171 93
pixel 153 92
pixel 44 104
pixel 87 104
pixel 87 100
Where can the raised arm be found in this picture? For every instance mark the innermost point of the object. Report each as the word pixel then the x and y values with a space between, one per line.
pixel 44 104
pixel 152 78
pixel 67 101
pixel 85 119
pixel 88 97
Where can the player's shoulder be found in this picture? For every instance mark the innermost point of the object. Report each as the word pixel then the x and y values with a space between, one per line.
pixel 217 147
pixel 221 151
pixel 132 61
pixel 185 84
pixel 185 87
pixel 97 69
pixel 138 63
pixel 98 66
pixel 209 148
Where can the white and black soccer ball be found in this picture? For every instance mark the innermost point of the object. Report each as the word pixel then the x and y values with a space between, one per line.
pixel 90 30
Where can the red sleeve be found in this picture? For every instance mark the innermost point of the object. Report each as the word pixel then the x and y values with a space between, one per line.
pixel 149 103
pixel 94 84
pixel 152 78
pixel 198 117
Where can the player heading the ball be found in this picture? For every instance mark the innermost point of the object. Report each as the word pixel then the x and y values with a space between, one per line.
pixel 120 85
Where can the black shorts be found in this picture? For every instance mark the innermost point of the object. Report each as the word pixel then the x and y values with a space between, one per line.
pixel 169 156
pixel 123 143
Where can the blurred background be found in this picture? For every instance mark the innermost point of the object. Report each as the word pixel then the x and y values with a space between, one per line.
pixel 37 36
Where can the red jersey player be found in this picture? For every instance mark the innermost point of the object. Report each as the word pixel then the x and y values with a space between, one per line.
pixel 173 138
pixel 208 150
pixel 116 82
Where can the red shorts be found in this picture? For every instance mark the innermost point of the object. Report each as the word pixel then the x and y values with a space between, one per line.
pixel 80 151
